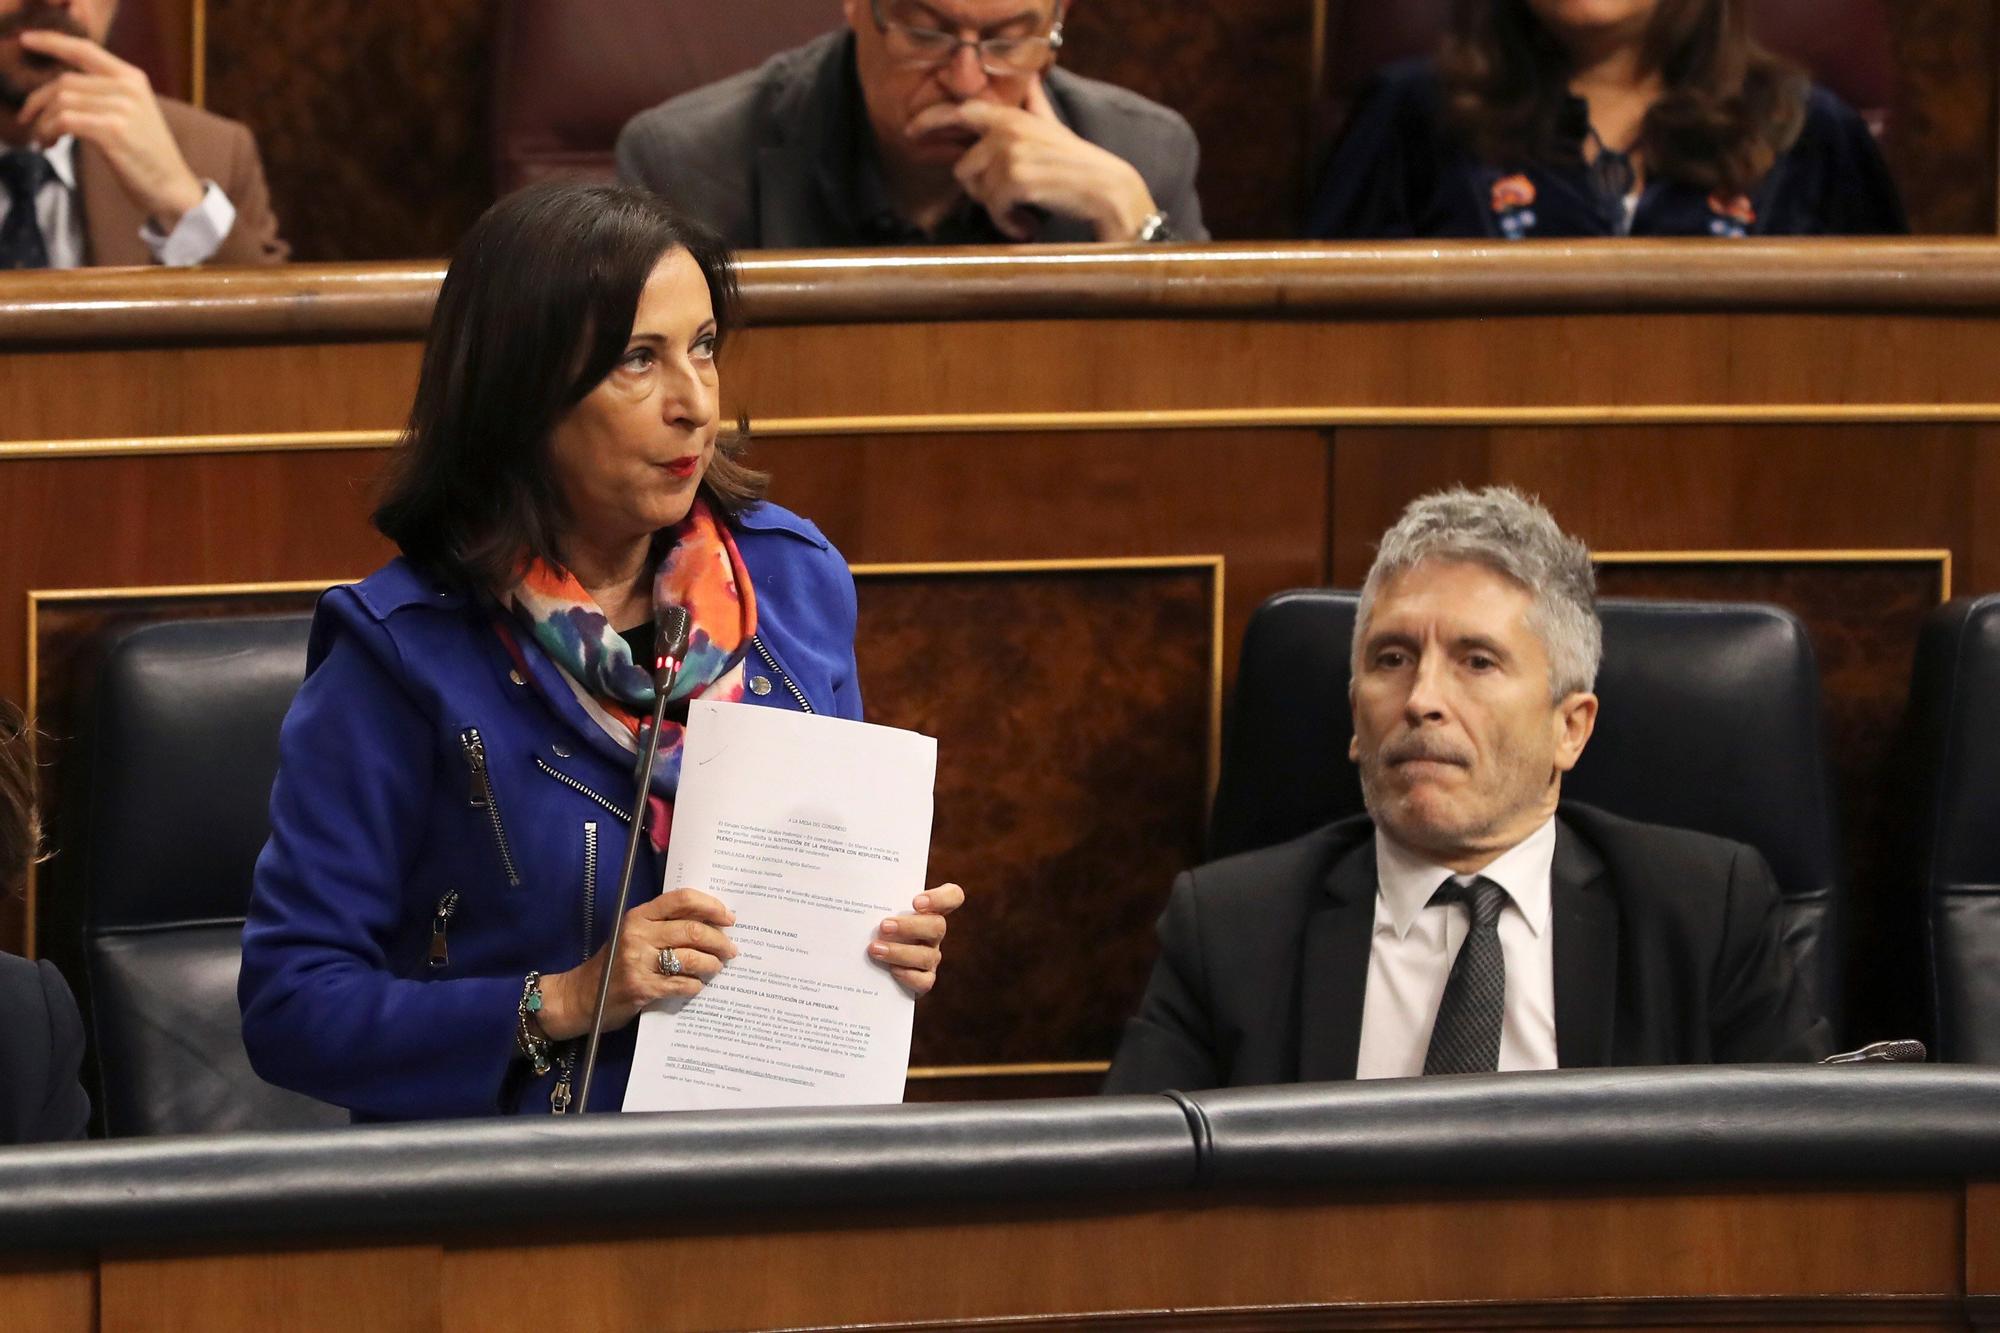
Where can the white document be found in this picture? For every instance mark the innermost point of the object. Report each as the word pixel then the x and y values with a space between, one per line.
pixel 812 830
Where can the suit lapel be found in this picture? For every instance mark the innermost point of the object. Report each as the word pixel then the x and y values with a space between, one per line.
pixel 1334 968
pixel 111 221
pixel 1585 918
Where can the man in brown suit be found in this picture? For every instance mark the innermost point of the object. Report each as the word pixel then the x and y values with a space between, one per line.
pixel 99 170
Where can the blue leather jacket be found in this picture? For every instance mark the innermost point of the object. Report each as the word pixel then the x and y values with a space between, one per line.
pixel 442 824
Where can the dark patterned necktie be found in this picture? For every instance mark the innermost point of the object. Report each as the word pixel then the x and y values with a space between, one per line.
pixel 22 245
pixel 1466 1038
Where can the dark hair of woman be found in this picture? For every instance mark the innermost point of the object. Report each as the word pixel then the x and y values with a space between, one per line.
pixel 20 828
pixel 1729 109
pixel 535 310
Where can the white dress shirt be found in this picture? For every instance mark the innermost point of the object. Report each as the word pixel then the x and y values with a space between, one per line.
pixel 1410 957
pixel 194 240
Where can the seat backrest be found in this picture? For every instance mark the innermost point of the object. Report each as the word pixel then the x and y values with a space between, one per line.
pixel 567 76
pixel 1955 738
pixel 145 33
pixel 1845 44
pixel 1710 720
pixel 179 747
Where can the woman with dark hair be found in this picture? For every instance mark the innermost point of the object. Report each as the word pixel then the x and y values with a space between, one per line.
pixel 1603 118
pixel 41 1044
pixel 427 932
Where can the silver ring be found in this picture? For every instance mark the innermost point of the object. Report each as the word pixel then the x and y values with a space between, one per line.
pixel 670 963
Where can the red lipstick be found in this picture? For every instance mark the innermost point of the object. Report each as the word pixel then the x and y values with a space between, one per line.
pixel 683 467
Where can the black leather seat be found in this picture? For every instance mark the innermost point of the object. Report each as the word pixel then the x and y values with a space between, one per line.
pixel 180 743
pixel 1710 721
pixel 1955 738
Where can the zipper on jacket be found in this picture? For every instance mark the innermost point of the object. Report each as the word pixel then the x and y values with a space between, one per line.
pixel 440 921
pixel 757 642
pixel 561 1095
pixel 480 797
pixel 576 786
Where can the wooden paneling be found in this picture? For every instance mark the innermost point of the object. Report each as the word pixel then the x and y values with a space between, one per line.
pixel 1745 1256
pixel 1316 1253
pixel 1982 1245
pixel 1944 141
pixel 49 1293
pixel 1203 58
pixel 1256 498
pixel 394 1289
pixel 371 116
pixel 1090 695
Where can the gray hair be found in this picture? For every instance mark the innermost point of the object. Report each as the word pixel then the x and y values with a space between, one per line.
pixel 1511 534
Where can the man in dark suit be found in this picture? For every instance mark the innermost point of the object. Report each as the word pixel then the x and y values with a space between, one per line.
pixel 41 1043
pixel 95 169
pixel 925 122
pixel 1471 921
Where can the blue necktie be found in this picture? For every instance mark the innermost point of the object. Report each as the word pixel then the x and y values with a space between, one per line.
pixel 23 171
pixel 1466 1037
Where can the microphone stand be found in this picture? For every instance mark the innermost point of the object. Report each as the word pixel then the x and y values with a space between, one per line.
pixel 673 649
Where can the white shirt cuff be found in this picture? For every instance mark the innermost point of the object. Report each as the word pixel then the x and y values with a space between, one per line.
pixel 197 236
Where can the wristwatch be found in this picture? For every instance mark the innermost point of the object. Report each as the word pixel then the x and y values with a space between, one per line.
pixel 1155 228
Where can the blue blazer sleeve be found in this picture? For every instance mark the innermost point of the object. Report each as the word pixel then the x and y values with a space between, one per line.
pixel 324 1011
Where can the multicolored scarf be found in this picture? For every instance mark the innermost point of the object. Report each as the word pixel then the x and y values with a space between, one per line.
pixel 700 570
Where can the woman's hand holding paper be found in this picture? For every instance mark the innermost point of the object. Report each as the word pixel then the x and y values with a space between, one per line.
pixel 911 945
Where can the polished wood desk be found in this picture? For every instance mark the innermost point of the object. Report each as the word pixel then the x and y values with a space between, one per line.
pixel 1125 448
pixel 1751 1198
pixel 1923 1256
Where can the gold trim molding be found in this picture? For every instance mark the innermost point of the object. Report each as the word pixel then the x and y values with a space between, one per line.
pixel 1592 414
pixel 274 442
pixel 934 1073
pixel 1326 417
pixel 198 54
pixel 1922 555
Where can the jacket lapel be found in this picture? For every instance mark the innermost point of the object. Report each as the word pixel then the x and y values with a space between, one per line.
pixel 1585 917
pixel 1334 968
pixel 111 221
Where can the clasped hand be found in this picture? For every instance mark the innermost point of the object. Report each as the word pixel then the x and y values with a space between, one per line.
pixel 694 926
pixel 1027 159
pixel 109 103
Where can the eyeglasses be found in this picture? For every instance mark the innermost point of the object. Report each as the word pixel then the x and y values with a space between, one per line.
pixel 1001 57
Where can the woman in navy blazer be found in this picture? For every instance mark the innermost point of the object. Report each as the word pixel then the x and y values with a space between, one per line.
pixel 426 936
pixel 1562 118
pixel 41 1044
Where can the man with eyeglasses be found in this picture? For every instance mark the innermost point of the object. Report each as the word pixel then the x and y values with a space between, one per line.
pixel 925 122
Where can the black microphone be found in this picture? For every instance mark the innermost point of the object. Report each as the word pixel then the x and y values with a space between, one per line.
pixel 672 627
pixel 1904 1052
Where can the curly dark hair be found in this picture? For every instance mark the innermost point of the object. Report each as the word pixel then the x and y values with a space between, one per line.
pixel 20 827
pixel 1729 109
pixel 535 311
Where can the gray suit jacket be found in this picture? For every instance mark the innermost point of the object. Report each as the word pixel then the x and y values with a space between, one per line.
pixel 768 158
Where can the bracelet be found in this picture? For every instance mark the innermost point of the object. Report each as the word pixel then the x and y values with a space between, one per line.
pixel 527 1032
